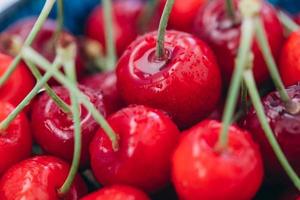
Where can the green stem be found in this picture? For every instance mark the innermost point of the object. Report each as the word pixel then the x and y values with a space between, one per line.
pixel 247 32
pixel 36 28
pixel 230 9
pixel 36 58
pixel 244 95
pixel 55 66
pixel 57 100
pixel 289 24
pixel 109 35
pixel 59 19
pixel 249 80
pixel 160 47
pixel 147 14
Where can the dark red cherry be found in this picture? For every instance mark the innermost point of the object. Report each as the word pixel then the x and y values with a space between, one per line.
pixel 289 60
pixel 19 83
pixel 125 20
pixel 53 129
pixel 200 172
pixel 16 140
pixel 286 129
pixel 297 19
pixel 147 138
pixel 117 192
pixel 107 83
pixel 186 83
pixel 290 194
pixel 39 178
pixel 223 35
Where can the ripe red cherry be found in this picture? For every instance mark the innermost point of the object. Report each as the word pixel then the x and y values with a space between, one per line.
pixel 16 140
pixel 107 83
pixel 289 60
pixel 19 83
pixel 117 192
pixel 39 178
pixel 286 129
pixel 125 20
pixel 297 19
pixel 199 172
pixel 147 138
pixel 223 35
pixel 53 129
pixel 186 83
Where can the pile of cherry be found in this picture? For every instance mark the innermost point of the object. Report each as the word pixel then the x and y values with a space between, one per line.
pixel 150 117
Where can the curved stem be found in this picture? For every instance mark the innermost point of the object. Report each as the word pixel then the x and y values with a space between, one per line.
pixel 244 95
pixel 249 80
pixel 36 28
pixel 230 9
pixel 147 14
pixel 160 46
pixel 289 24
pixel 109 35
pixel 59 19
pixel 36 58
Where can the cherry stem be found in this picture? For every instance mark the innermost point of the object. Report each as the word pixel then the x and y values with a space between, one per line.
pixel 247 32
pixel 109 35
pixel 244 95
pixel 289 24
pixel 57 100
pixel 249 80
pixel 147 14
pixel 44 64
pixel 55 66
pixel 230 9
pixel 160 46
pixel 59 19
pixel 36 28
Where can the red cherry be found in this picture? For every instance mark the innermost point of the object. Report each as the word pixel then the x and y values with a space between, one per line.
pixel 297 19
pixel 147 138
pixel 39 178
pixel 19 83
pixel 286 129
pixel 16 140
pixel 214 26
pixel 117 192
pixel 107 83
pixel 186 83
pixel 289 60
pixel 53 129
pixel 199 172
pixel 125 20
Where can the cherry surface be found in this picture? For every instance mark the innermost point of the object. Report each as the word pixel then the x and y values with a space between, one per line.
pixel 286 129
pixel 107 83
pixel 147 138
pixel 200 172
pixel 289 60
pixel 53 129
pixel 16 140
pixel 186 83
pixel 125 20
pixel 117 192
pixel 18 85
pixel 39 178
pixel 223 35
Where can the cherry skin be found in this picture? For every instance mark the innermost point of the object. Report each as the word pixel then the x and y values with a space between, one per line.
pixel 289 62
pixel 53 129
pixel 223 35
pixel 186 83
pixel 39 178
pixel 18 85
pixel 107 83
pixel 125 20
pixel 286 129
pixel 147 138
pixel 117 192
pixel 297 19
pixel 199 172
pixel 16 140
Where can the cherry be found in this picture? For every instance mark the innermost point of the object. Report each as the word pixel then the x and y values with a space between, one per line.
pixel 16 140
pixel 200 172
pixel 39 178
pixel 117 192
pixel 53 129
pixel 19 83
pixel 223 34
pixel 147 138
pixel 297 19
pixel 107 83
pixel 286 129
pixel 125 20
pixel 186 83
pixel 289 62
